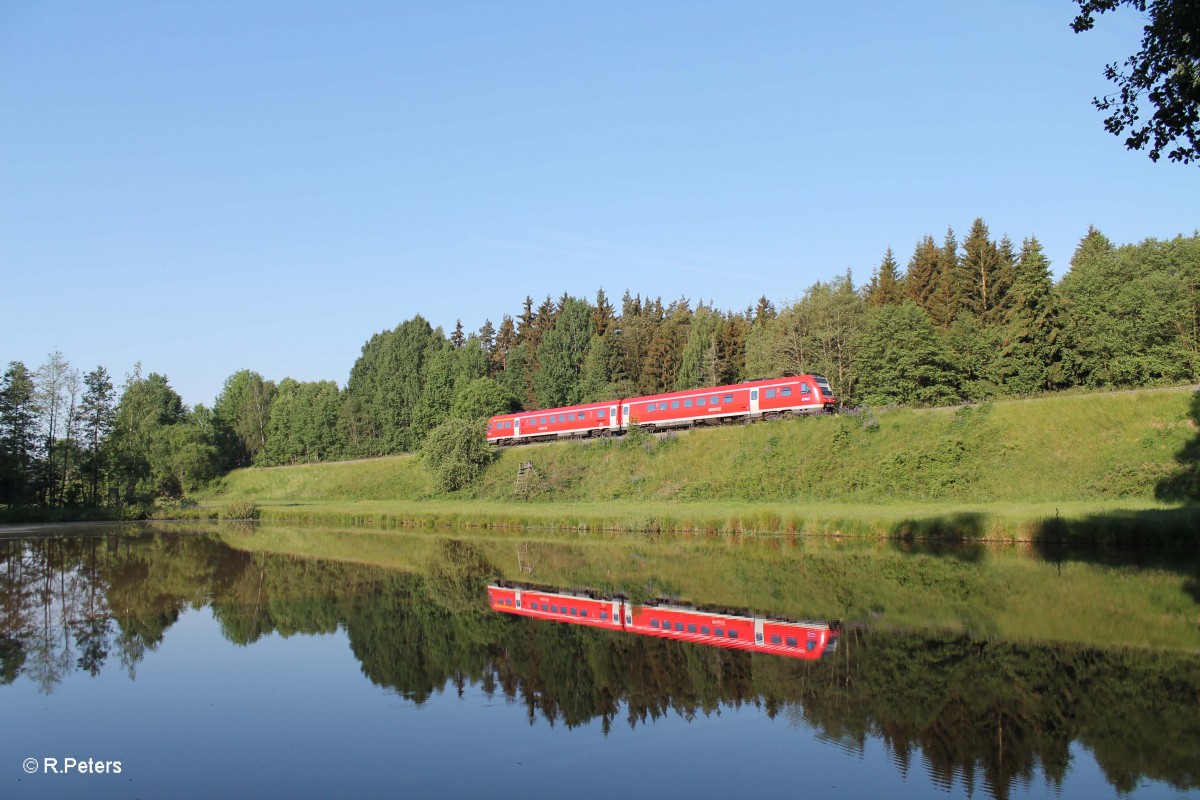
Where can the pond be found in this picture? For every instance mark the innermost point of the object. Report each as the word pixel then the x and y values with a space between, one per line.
pixel 263 661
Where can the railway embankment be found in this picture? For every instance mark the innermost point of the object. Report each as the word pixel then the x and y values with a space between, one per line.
pixel 1115 466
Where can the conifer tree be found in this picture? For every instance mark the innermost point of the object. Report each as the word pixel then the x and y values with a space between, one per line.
pixel 921 279
pixel 18 433
pixel 1032 358
pixel 525 321
pixel 602 313
pixel 952 287
pixel 459 337
pixel 506 340
pixel 764 311
pixel 885 288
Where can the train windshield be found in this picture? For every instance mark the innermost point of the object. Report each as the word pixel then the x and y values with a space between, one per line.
pixel 824 384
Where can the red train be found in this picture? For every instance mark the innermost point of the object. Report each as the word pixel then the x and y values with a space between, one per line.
pixel 761 399
pixel 805 640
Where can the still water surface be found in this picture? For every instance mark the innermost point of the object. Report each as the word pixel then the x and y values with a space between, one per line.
pixel 264 663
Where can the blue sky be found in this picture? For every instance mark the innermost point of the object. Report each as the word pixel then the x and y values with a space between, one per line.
pixel 214 186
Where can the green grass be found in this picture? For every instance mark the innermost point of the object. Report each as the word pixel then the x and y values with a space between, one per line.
pixel 1061 466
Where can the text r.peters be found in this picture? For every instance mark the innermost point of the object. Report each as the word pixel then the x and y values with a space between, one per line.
pixel 81 766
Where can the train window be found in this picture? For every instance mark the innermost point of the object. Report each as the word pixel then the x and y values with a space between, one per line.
pixel 650 406
pixel 716 400
pixel 786 391
pixel 804 388
pixel 719 632
pixel 541 420
pixel 583 612
pixel 732 634
pixel 687 403
pixel 679 626
pixel 674 404
pixel 554 609
pixel 704 629
pixel 754 395
pixel 603 615
pixel 662 406
pixel 776 640
pixel 547 608
pixel 791 641
pixel 728 398
pixel 700 401
pixel 574 612
pixel 691 628
pixel 653 623
pixel 770 393
pixel 570 417
pixel 810 645
pixel 562 417
pixel 600 413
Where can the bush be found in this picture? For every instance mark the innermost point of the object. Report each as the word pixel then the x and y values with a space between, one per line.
pixel 240 509
pixel 457 453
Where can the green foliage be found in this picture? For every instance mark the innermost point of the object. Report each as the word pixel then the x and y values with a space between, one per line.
pixel 456 453
pixel 481 398
pixel 902 361
pixel 1165 72
pixel 18 434
pixel 303 426
pixel 239 510
pixel 386 387
pixel 241 415
pixel 561 353
pixel 1134 316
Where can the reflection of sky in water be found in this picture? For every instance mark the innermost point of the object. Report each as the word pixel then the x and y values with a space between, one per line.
pixel 296 718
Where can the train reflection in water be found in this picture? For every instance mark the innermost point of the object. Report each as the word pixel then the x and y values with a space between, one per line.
pixel 804 640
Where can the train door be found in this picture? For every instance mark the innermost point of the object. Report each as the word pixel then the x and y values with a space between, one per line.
pixel 613 422
pixel 758 630
pixel 754 402
pixel 616 608
pixel 517 428
pixel 518 593
pixel 626 422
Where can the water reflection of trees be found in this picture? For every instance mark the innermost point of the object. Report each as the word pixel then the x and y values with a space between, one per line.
pixel 984 714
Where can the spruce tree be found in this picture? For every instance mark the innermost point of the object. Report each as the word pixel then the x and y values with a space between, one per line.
pixel 952 287
pixel 922 277
pixel 885 288
pixel 1032 358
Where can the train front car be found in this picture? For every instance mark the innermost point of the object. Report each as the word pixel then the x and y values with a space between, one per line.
pixel 828 401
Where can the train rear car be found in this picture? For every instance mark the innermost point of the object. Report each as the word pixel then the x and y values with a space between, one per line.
pixel 569 422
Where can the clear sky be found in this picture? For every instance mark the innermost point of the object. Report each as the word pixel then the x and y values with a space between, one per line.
pixel 213 186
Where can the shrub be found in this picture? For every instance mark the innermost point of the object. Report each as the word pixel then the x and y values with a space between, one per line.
pixel 240 509
pixel 457 453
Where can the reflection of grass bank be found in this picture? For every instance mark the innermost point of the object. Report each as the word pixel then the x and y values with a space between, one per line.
pixel 1110 522
pixel 1005 592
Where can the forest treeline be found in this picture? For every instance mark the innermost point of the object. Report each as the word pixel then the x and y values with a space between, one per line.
pixel 964 319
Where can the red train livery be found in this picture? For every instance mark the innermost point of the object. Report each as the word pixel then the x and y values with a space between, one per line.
pixel 804 640
pixel 761 399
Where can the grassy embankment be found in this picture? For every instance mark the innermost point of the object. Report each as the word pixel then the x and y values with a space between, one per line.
pixel 1064 466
